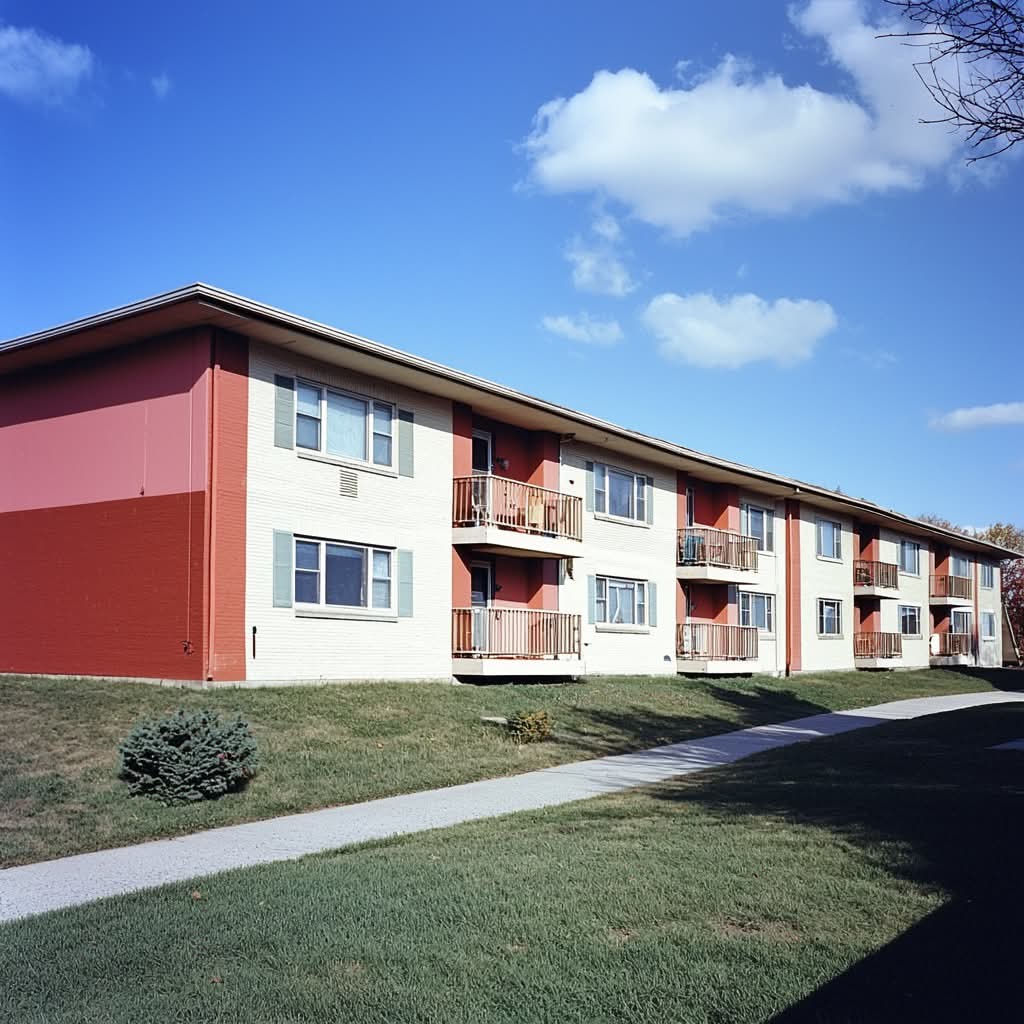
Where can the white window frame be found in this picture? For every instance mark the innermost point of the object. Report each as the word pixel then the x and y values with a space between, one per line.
pixel 953 559
pixel 961 615
pixel 638 496
pixel 987 571
pixel 916 609
pixel 369 576
pixel 748 600
pixel 822 601
pixel 371 430
pixel 988 617
pixel 916 548
pixel 767 542
pixel 837 538
pixel 640 601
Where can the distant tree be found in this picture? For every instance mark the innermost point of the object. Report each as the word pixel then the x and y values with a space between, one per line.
pixel 943 524
pixel 973 66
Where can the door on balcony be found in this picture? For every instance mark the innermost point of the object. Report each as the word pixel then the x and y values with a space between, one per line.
pixel 480 598
pixel 483 460
pixel 960 621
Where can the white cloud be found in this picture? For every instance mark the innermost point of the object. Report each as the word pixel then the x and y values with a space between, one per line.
pixel 1002 414
pixel 34 66
pixel 703 331
pixel 684 156
pixel 161 85
pixel 584 328
pixel 597 266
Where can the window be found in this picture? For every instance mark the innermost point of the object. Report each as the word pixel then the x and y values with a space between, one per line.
pixel 960 621
pixel 910 557
pixel 758 610
pixel 988 625
pixel 619 493
pixel 621 602
pixel 910 620
pixel 830 539
pixel 830 618
pixel 689 506
pixel 338 423
pixel 342 575
pixel 988 577
pixel 758 522
pixel 959 565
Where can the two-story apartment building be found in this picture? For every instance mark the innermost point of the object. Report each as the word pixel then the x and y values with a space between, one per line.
pixel 201 487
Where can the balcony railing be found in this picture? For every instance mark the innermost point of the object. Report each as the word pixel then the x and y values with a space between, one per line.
pixel 702 545
pixel 514 633
pixel 713 641
pixel 877 645
pixel 953 644
pixel 486 500
pixel 959 587
pixel 875 574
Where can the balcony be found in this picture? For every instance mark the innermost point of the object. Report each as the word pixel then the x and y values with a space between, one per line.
pixel 875 579
pixel 713 648
pixel 509 517
pixel 515 642
pixel 952 645
pixel 876 650
pixel 706 555
pixel 951 590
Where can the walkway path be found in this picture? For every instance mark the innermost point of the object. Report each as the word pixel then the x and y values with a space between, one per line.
pixel 70 881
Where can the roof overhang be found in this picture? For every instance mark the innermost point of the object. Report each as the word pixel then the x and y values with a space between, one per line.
pixel 199 304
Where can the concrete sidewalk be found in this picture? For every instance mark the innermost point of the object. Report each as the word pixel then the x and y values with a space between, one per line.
pixel 70 881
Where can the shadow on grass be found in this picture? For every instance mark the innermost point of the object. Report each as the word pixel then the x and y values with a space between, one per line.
pixel 927 800
pixel 1009 679
pixel 603 730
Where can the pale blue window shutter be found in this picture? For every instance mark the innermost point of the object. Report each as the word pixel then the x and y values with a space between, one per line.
pixel 405 443
pixel 590 490
pixel 769 530
pixel 284 412
pixel 652 603
pixel 591 599
pixel 561 571
pixel 743 521
pixel 284 554
pixel 650 501
pixel 404 559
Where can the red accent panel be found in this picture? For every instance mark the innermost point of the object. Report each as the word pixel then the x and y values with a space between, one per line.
pixel 794 659
pixel 462 442
pixel 230 426
pixel 462 583
pixel 109 588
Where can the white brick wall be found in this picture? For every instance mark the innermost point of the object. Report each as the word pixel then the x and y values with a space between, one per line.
pixel 913 590
pixel 990 652
pixel 614 548
pixel 288 492
pixel 824 578
pixel 771 571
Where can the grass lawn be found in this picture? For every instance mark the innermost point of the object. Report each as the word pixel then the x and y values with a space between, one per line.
pixel 340 744
pixel 870 877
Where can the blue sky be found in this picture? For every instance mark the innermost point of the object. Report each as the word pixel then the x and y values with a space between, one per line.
pixel 718 224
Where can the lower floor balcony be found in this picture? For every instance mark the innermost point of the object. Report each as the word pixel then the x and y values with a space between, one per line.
pixel 877 650
pixel 498 642
pixel 952 649
pixel 715 648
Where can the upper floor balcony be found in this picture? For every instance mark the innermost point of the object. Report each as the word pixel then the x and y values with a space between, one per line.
pixel 875 579
pixel 951 590
pixel 707 555
pixel 504 516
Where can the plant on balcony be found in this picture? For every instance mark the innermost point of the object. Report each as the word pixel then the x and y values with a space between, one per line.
pixel 530 727
pixel 187 757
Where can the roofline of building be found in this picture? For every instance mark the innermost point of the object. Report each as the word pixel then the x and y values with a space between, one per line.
pixel 239 305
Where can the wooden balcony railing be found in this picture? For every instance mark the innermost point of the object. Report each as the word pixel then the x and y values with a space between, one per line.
pixel 702 545
pixel 486 500
pixel 877 645
pixel 713 641
pixel 960 587
pixel 875 574
pixel 514 633
pixel 952 644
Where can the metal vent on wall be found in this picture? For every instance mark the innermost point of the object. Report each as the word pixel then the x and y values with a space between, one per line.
pixel 348 483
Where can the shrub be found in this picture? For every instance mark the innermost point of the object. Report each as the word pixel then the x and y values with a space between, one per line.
pixel 188 756
pixel 531 727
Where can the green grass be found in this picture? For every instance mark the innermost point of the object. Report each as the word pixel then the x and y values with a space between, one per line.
pixel 320 746
pixel 870 877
